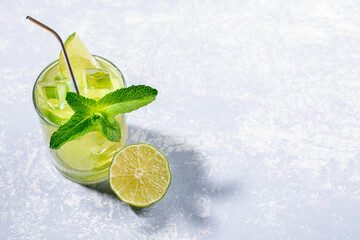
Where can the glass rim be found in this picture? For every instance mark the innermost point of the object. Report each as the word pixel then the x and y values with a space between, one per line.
pixel 46 69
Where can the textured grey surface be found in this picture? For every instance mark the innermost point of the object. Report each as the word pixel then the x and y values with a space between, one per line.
pixel 258 113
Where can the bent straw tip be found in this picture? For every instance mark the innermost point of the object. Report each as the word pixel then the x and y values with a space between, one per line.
pixel 63 48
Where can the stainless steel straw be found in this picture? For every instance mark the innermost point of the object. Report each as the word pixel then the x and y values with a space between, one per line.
pixel 63 49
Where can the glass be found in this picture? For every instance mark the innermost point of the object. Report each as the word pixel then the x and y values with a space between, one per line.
pixel 86 159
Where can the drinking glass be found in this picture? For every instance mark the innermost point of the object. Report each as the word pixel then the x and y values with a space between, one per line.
pixel 86 159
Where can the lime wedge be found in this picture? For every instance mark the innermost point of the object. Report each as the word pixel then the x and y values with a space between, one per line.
pixel 139 175
pixel 79 56
pixel 58 117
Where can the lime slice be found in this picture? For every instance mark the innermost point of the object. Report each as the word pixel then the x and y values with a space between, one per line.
pixel 58 117
pixel 139 175
pixel 79 56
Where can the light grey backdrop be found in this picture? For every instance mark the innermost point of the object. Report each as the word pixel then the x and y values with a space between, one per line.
pixel 258 113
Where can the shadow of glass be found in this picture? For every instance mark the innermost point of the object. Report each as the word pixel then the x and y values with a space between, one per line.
pixel 190 195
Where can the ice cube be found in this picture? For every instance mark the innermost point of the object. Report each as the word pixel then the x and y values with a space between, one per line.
pixel 98 79
pixel 58 78
pixel 98 83
pixel 55 93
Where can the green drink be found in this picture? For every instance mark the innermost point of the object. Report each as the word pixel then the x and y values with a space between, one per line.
pixel 83 123
pixel 87 158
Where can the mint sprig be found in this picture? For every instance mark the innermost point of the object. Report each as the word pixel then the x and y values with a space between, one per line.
pixel 91 114
pixel 109 127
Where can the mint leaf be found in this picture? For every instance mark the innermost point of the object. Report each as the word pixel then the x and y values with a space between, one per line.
pixel 125 100
pixel 80 103
pixel 99 115
pixel 109 127
pixel 76 126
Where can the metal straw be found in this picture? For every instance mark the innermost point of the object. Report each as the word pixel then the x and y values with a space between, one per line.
pixel 63 49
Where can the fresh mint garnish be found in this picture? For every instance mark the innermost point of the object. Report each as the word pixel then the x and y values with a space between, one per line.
pixel 91 114
pixel 108 126
pixel 76 126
